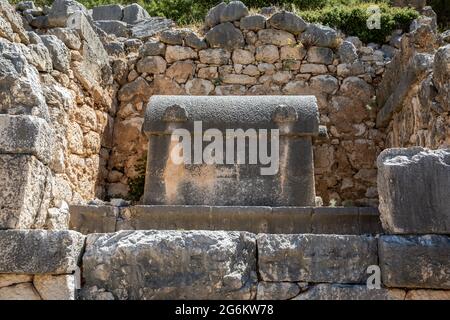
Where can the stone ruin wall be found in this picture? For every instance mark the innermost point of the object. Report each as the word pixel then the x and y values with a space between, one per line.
pixel 96 98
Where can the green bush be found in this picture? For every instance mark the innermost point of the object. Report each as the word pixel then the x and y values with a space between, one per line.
pixel 136 185
pixel 353 20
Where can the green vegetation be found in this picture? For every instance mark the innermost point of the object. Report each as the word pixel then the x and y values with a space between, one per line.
pixel 350 16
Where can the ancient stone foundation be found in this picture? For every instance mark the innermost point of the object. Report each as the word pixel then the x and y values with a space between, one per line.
pixel 86 95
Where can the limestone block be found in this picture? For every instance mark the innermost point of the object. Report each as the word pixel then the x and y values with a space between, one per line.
pixel 61 10
pixel 214 56
pixel 21 291
pixel 26 135
pixel 55 287
pixel 93 219
pixel 428 295
pixel 276 37
pixel 40 251
pixel 24 190
pixel 225 36
pixel 414 185
pixel 114 27
pixel 134 13
pixel 8 279
pixel 175 53
pixel 277 290
pixel 107 12
pixel 287 21
pixel 171 265
pixel 315 258
pixel 254 22
pixel 415 261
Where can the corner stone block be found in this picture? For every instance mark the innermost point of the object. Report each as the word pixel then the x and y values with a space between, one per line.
pixel 170 265
pixel 40 251
pixel 414 189
pixel 24 191
pixel 415 261
pixel 349 292
pixel 315 258
pixel 25 135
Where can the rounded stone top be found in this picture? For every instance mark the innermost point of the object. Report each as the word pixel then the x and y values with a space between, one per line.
pixel 300 113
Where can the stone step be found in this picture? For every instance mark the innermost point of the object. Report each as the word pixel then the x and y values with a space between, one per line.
pixel 318 220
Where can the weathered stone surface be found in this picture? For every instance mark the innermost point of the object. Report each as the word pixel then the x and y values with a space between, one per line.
pixel 313 68
pixel 134 13
pixel 107 12
pixel 402 176
pixel 415 261
pixel 172 265
pixel 214 56
pixel 324 83
pixel 24 189
pixel 292 52
pixel 267 54
pixel 213 16
pixel 21 291
pixel 7 280
pixel 61 10
pixel 320 36
pixel 151 65
pixel 315 258
pixel 10 16
pixel 233 11
pixel 276 37
pixel 93 219
pixel 254 23
pixel 238 79
pixel 40 251
pixel 55 287
pixel 236 112
pixel 175 53
pixel 114 27
pixel 441 75
pixel 277 290
pixel 347 52
pixel 287 21
pixel 349 292
pixel 199 87
pixel 152 48
pixel 58 51
pixel 25 135
pixel 20 86
pixel 172 37
pixel 320 55
pixel 428 295
pixel 241 56
pixel 194 41
pixel 150 27
pixel 226 36
pixel 68 36
pixel 180 71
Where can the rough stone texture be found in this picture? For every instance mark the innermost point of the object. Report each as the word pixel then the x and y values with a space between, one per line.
pixel 402 176
pixel 254 23
pixel 349 292
pixel 277 290
pixel 51 287
pixel 226 36
pixel 315 258
pixel 276 37
pixel 134 13
pixel 320 36
pixel 175 53
pixel 93 219
pixel 61 10
pixel 287 21
pixel 24 191
pixel 233 11
pixel 214 184
pixel 171 265
pixel 214 56
pixel 40 251
pixel 26 135
pixel 150 26
pixel 117 28
pixel 415 261
pixel 428 295
pixel 21 291
pixel 7 280
pixel 107 12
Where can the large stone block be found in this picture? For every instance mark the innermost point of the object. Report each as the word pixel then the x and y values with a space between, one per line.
pixel 61 10
pixel 26 135
pixel 20 291
pixel 414 189
pixel 315 258
pixel 107 12
pixel 93 219
pixel 415 261
pixel 40 251
pixel 288 180
pixel 24 191
pixel 170 265
pixel 349 292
